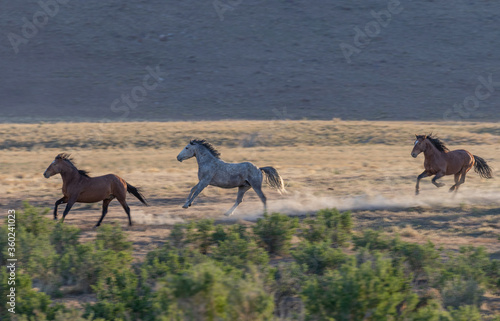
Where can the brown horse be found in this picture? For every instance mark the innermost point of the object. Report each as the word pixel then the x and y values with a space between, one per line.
pixel 440 161
pixel 78 186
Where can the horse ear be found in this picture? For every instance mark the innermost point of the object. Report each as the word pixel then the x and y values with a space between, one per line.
pixel 416 135
pixel 425 136
pixel 191 142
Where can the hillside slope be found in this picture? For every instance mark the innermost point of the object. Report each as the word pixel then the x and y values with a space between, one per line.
pixel 264 60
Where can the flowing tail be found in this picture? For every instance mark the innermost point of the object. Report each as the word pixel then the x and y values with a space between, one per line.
pixel 137 193
pixel 482 168
pixel 274 179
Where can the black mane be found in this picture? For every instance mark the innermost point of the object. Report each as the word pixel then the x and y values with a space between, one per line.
pixel 437 143
pixel 207 145
pixel 67 157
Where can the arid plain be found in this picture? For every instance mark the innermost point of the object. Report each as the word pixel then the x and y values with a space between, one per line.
pixel 365 167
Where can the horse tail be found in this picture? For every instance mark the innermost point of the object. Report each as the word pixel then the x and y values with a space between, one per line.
pixel 274 179
pixel 137 193
pixel 482 168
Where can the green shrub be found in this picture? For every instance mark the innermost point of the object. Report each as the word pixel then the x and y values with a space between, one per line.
pixel 329 225
pixel 430 311
pixel 241 230
pixel 288 281
pixel 372 240
pixel 170 260
pixel 372 291
pixel 64 236
pixel 275 232
pixel 67 314
pixel 473 263
pixel 112 237
pixel 34 248
pixel 466 313
pixel 34 220
pixel 493 273
pixel 200 233
pixel 219 235
pixel 205 292
pixel 458 291
pixel 240 253
pixel 319 256
pixel 422 260
pixel 29 302
pixel 120 296
pixel 95 262
pixel 177 235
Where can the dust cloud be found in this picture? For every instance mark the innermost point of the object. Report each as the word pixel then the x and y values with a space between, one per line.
pixel 141 217
pixel 300 203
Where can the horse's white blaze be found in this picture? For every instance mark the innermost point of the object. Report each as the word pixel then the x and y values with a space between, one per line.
pixel 416 142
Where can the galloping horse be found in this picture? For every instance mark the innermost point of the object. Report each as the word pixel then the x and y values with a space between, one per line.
pixel 79 187
pixel 214 171
pixel 440 161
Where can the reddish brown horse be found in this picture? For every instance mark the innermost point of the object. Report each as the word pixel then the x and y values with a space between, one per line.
pixel 440 161
pixel 79 187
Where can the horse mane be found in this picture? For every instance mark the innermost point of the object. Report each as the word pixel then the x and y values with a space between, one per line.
pixel 437 143
pixel 67 157
pixel 207 145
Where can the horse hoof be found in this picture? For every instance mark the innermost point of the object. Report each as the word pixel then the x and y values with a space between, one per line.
pixel 228 213
pixel 185 206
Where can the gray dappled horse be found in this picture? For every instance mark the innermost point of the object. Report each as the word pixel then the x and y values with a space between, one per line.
pixel 214 171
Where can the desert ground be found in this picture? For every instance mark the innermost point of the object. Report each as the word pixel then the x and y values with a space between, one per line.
pixel 365 167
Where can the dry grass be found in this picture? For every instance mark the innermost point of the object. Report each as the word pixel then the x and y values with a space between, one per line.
pixel 363 166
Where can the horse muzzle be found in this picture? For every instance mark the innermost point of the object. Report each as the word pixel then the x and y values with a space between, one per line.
pixel 179 159
pixel 414 155
pixel 46 175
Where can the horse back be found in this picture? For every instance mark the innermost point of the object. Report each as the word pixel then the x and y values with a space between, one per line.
pixel 101 187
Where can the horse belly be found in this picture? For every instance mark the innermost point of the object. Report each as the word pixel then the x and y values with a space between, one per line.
pixel 94 195
pixel 229 181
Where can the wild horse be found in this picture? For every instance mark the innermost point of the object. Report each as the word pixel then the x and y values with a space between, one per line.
pixel 214 171
pixel 440 161
pixel 78 186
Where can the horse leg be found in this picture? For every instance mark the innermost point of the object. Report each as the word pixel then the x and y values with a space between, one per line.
pixel 258 189
pixel 438 176
pixel 126 208
pixel 201 185
pixel 457 184
pixel 105 204
pixel 241 191
pixel 462 178
pixel 417 188
pixel 192 191
pixel 70 204
pixel 59 201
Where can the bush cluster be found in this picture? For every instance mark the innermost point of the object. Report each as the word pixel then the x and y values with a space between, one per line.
pixel 277 269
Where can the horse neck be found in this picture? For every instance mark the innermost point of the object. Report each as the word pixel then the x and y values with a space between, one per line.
pixel 203 156
pixel 431 151
pixel 69 174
